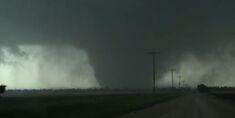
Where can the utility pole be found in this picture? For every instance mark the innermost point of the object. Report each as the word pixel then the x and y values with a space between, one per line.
pixel 154 53
pixel 184 83
pixel 172 79
pixel 180 81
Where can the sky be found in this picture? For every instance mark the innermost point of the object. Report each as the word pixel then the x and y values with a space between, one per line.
pixel 104 44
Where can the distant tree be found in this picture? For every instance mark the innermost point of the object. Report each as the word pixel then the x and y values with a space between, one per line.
pixel 203 88
pixel 2 88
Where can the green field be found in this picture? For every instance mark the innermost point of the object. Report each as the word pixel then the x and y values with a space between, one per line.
pixel 89 106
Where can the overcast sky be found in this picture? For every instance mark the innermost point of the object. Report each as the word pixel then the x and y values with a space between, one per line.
pixel 196 37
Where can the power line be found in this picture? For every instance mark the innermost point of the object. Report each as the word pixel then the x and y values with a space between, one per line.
pixel 154 53
pixel 180 81
pixel 184 84
pixel 172 79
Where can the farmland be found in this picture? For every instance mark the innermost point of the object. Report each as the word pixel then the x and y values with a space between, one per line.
pixel 82 106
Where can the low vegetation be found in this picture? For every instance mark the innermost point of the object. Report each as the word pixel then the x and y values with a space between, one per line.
pixel 86 106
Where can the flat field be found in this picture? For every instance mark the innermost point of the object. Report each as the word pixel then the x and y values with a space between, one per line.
pixel 78 106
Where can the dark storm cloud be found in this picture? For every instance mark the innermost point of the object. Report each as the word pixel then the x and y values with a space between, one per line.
pixel 117 34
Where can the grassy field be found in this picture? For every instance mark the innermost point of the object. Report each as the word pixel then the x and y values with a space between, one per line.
pixel 87 106
pixel 229 97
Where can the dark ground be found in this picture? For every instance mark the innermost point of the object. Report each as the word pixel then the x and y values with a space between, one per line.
pixel 78 106
pixel 197 105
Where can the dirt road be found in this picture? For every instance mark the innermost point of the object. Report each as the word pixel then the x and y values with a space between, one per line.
pixel 191 106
